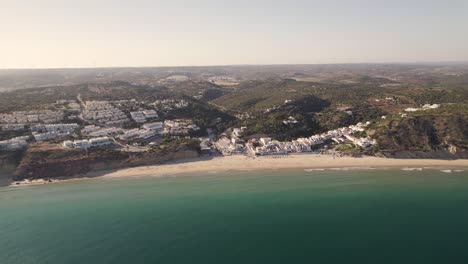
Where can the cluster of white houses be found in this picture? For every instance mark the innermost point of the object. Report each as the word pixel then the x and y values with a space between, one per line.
pixel 179 126
pixel 158 126
pixel 235 145
pixel 43 132
pixel 32 117
pixel 340 135
pixel 268 110
pixel 142 116
pixel 138 134
pixel 104 113
pixel 268 146
pixel 230 146
pixel 148 130
pixel 97 131
pixel 170 104
pixel 88 143
pixel 290 120
pixel 106 119
pixel 424 107
pixel 54 127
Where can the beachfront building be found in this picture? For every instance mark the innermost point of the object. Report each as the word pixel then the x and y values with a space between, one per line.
pixel 205 146
pixel 228 147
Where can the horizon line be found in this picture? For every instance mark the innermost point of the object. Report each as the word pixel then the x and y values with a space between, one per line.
pixel 459 62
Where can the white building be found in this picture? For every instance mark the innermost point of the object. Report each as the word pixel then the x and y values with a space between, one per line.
pixel 104 113
pixel 428 106
pixel 154 126
pixel 137 133
pixel 28 117
pixel 84 143
pixel 101 141
pixel 81 144
pixel 12 127
pixel 265 141
pixel 14 143
pixel 411 109
pixel 67 144
pixel 237 132
pixel 138 116
pixel 63 128
pixel 150 114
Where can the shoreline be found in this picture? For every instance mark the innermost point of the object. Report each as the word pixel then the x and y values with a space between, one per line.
pixel 306 162
pixel 300 161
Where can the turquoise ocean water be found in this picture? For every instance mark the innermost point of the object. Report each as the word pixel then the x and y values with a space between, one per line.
pixel 368 216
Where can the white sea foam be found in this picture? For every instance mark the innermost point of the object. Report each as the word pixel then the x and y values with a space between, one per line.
pixel 362 168
pixel 412 169
pixel 309 170
pixel 352 168
pixel 339 169
pixel 446 171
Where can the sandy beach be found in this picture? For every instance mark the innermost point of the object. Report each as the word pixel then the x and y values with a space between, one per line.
pixel 306 161
pixel 244 163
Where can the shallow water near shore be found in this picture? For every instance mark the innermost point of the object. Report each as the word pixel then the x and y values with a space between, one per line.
pixel 307 216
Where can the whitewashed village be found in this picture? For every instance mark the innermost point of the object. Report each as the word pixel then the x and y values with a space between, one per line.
pixel 100 124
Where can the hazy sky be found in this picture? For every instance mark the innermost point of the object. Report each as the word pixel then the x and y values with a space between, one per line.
pixel 99 33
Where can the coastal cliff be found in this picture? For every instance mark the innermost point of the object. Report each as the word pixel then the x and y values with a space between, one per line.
pixel 425 136
pixel 45 161
pixel 8 163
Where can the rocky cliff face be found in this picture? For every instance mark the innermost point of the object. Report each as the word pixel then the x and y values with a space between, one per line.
pixel 425 136
pixel 44 161
pixel 8 163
